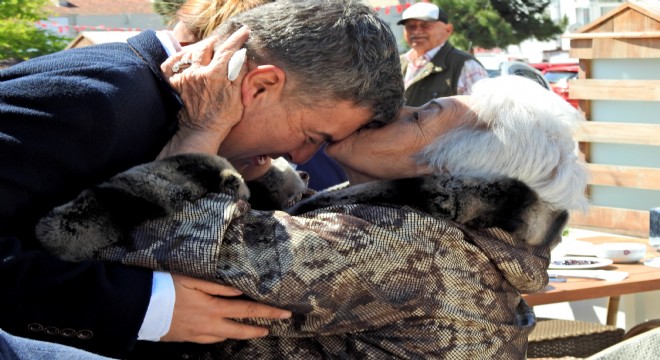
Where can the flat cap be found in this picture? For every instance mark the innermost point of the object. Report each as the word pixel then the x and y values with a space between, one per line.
pixel 424 11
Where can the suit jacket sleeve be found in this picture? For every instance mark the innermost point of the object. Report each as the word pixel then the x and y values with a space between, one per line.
pixel 67 121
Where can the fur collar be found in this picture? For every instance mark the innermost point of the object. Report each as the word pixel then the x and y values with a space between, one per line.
pixel 104 214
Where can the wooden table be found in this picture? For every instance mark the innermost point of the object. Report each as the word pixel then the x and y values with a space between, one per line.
pixel 640 278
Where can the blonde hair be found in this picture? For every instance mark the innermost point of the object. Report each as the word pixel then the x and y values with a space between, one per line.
pixel 201 17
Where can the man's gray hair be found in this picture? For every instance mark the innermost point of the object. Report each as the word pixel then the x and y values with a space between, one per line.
pixel 330 50
pixel 521 131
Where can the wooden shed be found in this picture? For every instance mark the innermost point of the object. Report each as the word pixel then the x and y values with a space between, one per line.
pixel 618 86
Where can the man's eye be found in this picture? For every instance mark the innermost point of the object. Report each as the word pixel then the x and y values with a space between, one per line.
pixel 416 116
pixel 313 141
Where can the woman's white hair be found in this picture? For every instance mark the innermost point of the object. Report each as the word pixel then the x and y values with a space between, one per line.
pixel 521 131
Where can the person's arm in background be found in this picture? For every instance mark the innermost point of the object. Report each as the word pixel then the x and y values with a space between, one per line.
pixel 471 73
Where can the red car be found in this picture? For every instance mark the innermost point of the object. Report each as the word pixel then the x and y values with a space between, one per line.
pixel 544 65
pixel 558 76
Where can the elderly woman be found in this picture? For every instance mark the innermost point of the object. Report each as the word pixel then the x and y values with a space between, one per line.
pixel 379 280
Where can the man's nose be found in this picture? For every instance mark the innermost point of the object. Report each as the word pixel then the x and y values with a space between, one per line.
pixel 304 153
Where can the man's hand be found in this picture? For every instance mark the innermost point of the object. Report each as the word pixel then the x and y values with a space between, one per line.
pixel 201 316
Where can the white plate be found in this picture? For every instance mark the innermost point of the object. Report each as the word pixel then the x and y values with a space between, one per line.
pixel 653 262
pixel 593 262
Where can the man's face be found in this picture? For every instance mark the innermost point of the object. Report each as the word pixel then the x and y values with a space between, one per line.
pixel 281 129
pixel 423 36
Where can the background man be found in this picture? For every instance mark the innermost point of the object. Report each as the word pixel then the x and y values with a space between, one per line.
pixel 433 67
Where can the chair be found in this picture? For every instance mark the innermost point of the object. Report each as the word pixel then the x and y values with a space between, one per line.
pixel 569 339
pixel 642 328
pixel 553 338
pixel 639 346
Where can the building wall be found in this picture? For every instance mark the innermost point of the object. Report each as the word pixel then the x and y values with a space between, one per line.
pixel 122 21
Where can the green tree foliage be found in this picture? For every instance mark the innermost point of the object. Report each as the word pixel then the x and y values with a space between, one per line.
pixel 167 8
pixel 499 23
pixel 20 38
pixel 528 17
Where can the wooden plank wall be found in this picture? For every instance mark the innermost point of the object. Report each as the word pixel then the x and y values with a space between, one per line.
pixel 618 220
pixel 615 46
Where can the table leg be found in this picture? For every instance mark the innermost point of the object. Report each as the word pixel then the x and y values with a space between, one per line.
pixel 612 310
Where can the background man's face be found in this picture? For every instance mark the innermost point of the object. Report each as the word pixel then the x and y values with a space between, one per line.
pixel 423 36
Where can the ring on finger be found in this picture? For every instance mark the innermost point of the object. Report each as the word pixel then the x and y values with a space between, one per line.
pixel 181 65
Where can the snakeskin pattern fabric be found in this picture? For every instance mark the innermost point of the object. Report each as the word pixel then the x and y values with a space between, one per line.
pixel 363 281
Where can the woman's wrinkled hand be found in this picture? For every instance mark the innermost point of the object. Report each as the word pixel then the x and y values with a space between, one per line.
pixel 212 103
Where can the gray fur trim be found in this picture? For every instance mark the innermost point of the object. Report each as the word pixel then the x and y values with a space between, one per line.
pixel 281 187
pixel 505 203
pixel 100 216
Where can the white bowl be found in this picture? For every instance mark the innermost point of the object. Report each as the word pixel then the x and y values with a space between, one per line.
pixel 624 252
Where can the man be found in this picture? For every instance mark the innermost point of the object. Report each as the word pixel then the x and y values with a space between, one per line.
pixel 74 118
pixel 433 68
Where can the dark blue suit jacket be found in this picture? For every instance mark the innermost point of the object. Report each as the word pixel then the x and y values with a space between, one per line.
pixel 323 171
pixel 67 121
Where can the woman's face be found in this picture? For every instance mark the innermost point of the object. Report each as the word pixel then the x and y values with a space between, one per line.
pixel 387 152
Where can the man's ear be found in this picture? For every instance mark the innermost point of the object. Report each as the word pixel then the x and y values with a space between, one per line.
pixel 262 82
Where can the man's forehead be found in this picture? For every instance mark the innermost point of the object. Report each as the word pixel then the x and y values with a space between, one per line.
pixel 336 122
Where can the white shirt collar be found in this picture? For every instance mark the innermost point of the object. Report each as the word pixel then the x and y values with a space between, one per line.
pixel 429 54
pixel 168 41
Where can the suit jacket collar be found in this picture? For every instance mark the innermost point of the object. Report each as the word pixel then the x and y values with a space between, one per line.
pixel 147 46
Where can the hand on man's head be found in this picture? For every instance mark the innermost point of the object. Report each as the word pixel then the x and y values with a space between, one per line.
pixel 212 102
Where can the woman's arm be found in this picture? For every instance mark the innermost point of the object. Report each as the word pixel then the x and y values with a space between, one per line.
pixel 339 269
pixel 322 266
pixel 212 102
